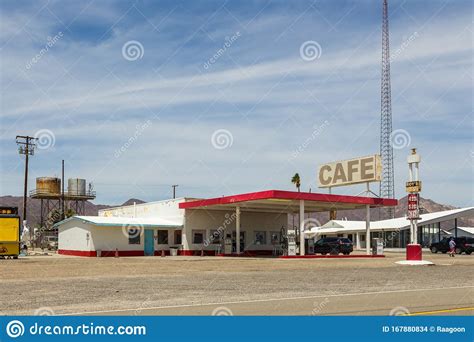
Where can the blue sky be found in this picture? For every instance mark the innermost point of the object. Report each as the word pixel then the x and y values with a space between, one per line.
pixel 222 99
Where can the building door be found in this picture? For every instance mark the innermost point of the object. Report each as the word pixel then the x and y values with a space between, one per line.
pixel 149 242
pixel 242 241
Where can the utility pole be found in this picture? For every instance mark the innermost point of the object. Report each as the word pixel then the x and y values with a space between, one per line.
pixel 62 191
pixel 26 146
pixel 174 186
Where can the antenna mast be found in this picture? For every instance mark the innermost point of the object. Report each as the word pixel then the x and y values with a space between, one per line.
pixel 387 189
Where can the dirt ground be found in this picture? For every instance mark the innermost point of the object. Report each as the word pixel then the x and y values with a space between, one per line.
pixel 74 285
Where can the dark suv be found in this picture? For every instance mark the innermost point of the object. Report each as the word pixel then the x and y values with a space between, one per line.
pixel 333 245
pixel 463 245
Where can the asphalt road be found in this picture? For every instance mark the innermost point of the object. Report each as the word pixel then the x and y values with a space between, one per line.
pixel 444 301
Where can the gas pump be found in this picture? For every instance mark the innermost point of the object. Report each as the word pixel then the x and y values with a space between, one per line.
pixel 291 237
pixel 228 244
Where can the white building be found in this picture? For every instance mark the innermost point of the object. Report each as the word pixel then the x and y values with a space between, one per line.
pixel 462 231
pixel 94 235
pixel 395 232
pixel 196 226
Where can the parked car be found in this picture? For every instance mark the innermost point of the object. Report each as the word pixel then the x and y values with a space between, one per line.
pixel 463 245
pixel 50 243
pixel 333 245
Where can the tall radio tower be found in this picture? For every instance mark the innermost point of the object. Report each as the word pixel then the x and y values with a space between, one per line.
pixel 386 150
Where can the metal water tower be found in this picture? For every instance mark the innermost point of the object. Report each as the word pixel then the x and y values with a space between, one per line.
pixel 53 197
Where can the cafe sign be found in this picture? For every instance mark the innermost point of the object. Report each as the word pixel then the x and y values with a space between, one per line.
pixel 351 171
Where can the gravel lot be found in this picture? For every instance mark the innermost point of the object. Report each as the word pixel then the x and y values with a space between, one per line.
pixel 63 284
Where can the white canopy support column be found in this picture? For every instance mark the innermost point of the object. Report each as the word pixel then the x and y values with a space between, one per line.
pixel 302 227
pixel 237 229
pixel 367 229
pixel 415 232
pixel 357 241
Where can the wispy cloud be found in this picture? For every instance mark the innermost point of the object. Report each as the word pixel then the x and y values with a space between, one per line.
pixel 259 89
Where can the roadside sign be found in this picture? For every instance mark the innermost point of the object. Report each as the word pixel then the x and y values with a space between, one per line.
pixel 352 171
pixel 414 186
pixel 413 207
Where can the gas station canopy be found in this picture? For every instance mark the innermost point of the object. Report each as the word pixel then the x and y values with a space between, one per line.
pixel 287 201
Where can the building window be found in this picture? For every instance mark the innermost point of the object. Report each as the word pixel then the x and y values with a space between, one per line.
pixel 134 235
pixel 198 236
pixel 260 238
pixel 162 237
pixel 177 237
pixel 275 238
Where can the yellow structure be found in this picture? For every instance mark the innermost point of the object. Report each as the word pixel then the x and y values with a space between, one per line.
pixel 9 232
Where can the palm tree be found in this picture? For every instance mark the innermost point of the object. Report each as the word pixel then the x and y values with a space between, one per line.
pixel 296 181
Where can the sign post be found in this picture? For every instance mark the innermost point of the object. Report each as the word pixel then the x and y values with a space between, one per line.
pixel 413 187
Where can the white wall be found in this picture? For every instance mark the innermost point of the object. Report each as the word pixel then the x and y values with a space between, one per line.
pixel 200 219
pixel 72 235
pixel 167 209
pixel 108 238
pixel 164 209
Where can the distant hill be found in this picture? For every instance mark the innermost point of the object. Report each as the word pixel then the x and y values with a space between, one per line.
pixel 131 201
pixel 427 205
